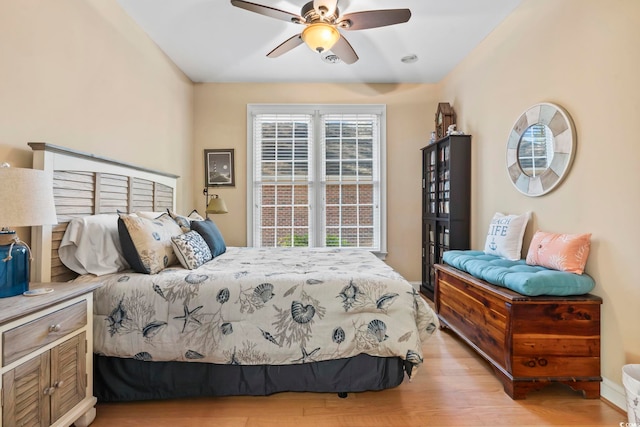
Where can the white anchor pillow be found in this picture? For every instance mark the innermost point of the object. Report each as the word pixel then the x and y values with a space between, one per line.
pixel 191 249
pixel 504 237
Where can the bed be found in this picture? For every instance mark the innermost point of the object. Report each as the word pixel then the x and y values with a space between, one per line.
pixel 252 321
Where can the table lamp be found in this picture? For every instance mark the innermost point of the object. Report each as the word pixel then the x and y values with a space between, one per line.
pixel 26 199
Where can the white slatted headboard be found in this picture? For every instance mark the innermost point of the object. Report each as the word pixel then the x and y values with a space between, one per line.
pixel 85 184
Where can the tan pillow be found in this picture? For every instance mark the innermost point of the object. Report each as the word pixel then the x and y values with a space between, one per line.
pixel 185 221
pixel 148 214
pixel 146 243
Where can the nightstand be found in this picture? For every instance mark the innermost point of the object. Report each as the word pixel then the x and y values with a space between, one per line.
pixel 47 356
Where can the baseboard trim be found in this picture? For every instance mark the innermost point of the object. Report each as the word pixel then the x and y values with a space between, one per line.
pixel 614 394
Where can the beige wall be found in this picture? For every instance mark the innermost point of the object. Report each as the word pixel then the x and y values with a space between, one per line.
pixel 82 74
pixel 221 111
pixel 583 55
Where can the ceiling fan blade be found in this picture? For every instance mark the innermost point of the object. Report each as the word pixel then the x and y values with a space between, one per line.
pixel 373 19
pixel 286 46
pixel 268 11
pixel 344 51
pixel 325 7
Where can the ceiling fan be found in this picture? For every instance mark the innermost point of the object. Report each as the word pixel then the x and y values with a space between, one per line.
pixel 322 20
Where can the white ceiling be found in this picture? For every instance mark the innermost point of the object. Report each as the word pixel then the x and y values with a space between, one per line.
pixel 213 41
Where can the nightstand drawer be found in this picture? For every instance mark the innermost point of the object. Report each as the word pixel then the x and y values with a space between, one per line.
pixel 24 339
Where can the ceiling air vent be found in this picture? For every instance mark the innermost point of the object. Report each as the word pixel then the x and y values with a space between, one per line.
pixel 331 58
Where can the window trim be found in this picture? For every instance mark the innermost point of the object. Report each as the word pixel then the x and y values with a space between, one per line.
pixel 316 110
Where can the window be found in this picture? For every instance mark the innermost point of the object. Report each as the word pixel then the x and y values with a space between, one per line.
pixel 317 176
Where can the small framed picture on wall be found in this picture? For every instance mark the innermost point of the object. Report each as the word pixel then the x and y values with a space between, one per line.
pixel 218 168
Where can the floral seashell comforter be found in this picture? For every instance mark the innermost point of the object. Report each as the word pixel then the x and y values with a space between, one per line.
pixel 254 306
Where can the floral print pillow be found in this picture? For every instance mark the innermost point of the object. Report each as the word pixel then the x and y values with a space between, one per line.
pixel 146 243
pixel 564 252
pixel 185 221
pixel 191 249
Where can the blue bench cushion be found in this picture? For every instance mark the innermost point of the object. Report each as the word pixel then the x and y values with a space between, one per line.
pixel 518 276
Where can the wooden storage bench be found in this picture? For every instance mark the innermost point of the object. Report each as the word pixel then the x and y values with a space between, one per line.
pixel 529 341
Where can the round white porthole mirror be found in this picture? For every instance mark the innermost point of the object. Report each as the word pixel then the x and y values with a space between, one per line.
pixel 540 149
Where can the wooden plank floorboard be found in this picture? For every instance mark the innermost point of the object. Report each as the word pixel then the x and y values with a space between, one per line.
pixel 454 387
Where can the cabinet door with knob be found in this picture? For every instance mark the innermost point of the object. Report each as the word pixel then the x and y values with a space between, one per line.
pixel 68 375
pixel 23 393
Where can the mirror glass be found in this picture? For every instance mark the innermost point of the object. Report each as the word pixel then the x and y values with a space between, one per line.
pixel 540 149
pixel 535 150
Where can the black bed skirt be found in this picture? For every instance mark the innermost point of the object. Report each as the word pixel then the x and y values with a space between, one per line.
pixel 118 380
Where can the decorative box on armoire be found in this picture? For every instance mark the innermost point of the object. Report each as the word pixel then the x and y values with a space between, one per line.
pixel 446 202
pixel 445 117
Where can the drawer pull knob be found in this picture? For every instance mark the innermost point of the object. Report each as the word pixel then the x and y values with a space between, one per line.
pixel 542 362
pixel 55 328
pixel 531 363
pixel 58 384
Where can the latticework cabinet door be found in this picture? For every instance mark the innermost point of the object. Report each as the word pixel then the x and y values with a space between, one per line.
pixel 25 393
pixel 68 375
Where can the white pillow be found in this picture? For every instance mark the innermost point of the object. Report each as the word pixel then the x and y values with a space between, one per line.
pixel 505 234
pixel 91 245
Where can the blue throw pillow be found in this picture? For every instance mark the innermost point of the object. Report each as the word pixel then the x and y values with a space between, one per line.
pixel 210 233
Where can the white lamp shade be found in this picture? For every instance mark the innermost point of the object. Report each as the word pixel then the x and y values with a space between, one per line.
pixel 26 198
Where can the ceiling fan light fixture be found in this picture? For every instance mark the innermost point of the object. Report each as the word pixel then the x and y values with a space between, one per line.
pixel 320 36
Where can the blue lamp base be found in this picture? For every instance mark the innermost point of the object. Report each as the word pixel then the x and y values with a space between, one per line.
pixel 14 272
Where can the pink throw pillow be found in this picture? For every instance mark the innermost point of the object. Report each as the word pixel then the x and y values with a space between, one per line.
pixel 564 252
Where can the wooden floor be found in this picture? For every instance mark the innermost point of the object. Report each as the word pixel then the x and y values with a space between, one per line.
pixel 454 387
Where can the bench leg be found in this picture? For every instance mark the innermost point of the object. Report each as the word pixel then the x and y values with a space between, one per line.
pixel 519 389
